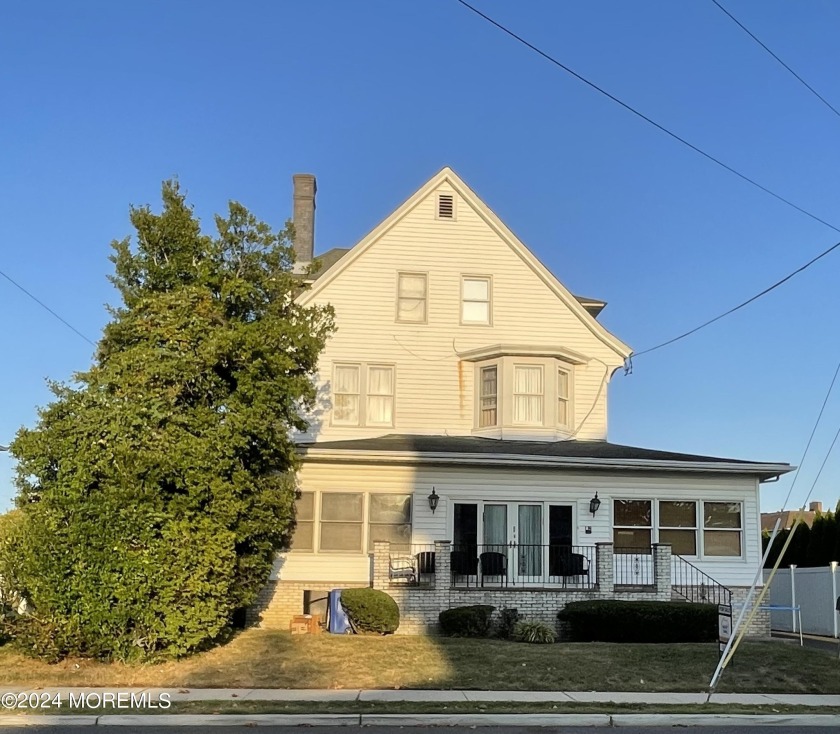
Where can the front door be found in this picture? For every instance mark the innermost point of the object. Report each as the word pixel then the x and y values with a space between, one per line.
pixel 509 542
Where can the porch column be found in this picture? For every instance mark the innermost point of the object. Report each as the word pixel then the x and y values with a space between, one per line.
pixel 443 567
pixel 662 570
pixel 605 572
pixel 381 564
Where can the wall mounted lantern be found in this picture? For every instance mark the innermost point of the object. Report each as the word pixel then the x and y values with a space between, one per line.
pixel 433 501
pixel 594 504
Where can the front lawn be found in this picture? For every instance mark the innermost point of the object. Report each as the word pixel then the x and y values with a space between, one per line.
pixel 269 659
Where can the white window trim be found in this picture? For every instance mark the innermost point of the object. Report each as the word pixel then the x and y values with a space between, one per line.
pixel 702 528
pixel 364 538
pixel 699 529
pixel 360 418
pixel 652 527
pixel 514 394
pixel 393 395
pixel 318 524
pixel 364 370
pixel 489 280
pixel 696 528
pixel 569 425
pixel 397 318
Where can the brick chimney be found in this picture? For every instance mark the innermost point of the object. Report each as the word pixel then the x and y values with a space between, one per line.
pixel 303 216
pixel 815 507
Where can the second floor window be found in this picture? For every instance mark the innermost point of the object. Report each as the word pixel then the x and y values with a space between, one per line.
pixel 563 413
pixel 475 300
pixel 363 395
pixel 380 396
pixel 528 395
pixel 346 395
pixel 488 409
pixel 412 294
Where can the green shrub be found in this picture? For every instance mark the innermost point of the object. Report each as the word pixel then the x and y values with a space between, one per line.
pixel 507 623
pixel 639 621
pixel 371 610
pixel 472 621
pixel 536 632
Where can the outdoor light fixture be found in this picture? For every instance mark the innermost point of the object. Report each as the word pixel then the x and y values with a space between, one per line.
pixel 594 504
pixel 433 501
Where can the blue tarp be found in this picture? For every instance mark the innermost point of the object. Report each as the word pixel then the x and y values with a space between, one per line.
pixel 337 621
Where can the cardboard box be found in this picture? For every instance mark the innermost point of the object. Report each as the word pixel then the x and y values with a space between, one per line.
pixel 301 624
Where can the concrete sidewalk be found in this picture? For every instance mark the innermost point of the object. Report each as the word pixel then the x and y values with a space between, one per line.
pixel 437 696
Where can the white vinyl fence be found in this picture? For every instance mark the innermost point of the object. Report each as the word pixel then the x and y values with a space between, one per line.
pixel 815 590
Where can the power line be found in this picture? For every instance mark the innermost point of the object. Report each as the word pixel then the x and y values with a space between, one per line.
pixel 46 307
pixel 740 305
pixel 647 119
pixel 810 439
pixel 758 41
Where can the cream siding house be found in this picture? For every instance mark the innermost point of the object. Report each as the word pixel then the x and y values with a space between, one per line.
pixel 459 445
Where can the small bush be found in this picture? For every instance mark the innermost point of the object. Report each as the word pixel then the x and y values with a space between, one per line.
pixel 535 632
pixel 371 610
pixel 639 621
pixel 507 623
pixel 472 621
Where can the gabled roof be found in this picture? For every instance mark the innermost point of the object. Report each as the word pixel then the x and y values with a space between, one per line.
pixel 476 450
pixel 584 309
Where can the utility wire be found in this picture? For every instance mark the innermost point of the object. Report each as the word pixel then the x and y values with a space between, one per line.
pixel 741 305
pixel 46 307
pixel 758 41
pixel 693 147
pixel 647 119
pixel 808 445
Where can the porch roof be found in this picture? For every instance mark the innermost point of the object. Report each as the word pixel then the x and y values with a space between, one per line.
pixel 490 451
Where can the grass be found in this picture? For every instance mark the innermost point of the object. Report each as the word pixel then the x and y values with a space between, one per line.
pixel 255 708
pixel 269 659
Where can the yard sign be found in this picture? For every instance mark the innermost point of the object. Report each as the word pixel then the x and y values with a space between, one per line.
pixel 724 625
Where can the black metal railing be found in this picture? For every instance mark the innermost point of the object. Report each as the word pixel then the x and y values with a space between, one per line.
pixel 413 564
pixel 633 566
pixel 522 566
pixel 695 585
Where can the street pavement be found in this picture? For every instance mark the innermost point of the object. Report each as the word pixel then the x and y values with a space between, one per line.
pixel 507 729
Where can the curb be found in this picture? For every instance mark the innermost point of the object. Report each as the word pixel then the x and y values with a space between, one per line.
pixel 428 720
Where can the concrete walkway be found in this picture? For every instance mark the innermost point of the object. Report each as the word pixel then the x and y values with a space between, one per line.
pixel 302 694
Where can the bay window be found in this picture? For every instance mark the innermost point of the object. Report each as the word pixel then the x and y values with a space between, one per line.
pixel 489 397
pixel 528 395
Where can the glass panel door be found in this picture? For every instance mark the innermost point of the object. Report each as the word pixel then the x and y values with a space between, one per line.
pixel 529 563
pixel 493 559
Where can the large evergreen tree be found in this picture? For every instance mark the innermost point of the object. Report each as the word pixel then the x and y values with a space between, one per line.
pixel 158 487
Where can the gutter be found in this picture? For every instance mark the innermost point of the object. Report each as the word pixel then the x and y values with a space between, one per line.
pixel 356 456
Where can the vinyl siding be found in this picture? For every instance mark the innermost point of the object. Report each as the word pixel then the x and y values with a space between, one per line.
pixel 434 387
pixel 455 484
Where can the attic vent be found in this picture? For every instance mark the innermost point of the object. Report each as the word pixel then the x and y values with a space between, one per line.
pixel 446 206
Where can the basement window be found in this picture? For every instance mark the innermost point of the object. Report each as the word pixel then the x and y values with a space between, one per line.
pixel 446 206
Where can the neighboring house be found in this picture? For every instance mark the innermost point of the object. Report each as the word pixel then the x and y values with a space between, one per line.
pixel 459 451
pixel 788 517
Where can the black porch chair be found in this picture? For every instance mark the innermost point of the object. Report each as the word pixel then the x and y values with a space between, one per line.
pixel 463 563
pixel 565 563
pixel 492 563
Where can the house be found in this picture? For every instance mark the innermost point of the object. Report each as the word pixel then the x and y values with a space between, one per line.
pixel 459 452
pixel 788 517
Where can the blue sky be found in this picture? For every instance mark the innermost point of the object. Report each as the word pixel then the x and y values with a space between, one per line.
pixel 102 101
